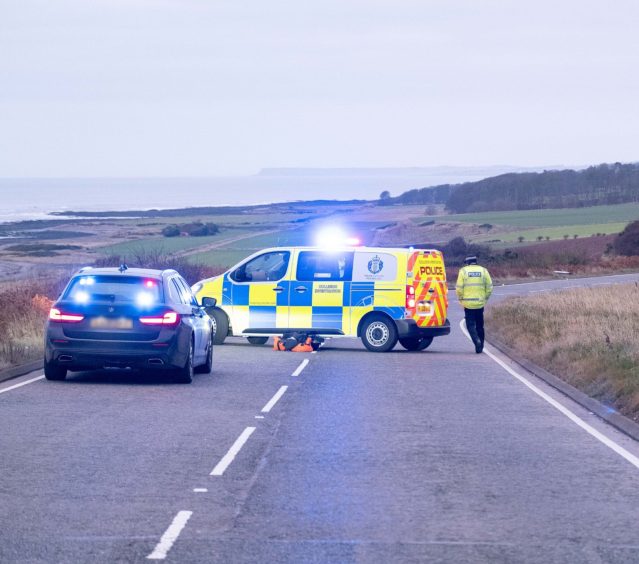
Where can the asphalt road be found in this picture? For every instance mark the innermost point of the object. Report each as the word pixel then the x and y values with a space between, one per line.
pixel 438 456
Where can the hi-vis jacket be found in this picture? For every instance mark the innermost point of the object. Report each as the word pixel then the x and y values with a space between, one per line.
pixel 474 286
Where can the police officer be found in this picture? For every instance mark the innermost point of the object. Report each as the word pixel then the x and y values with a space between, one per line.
pixel 474 287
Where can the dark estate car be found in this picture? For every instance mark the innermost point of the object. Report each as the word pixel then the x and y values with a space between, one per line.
pixel 128 317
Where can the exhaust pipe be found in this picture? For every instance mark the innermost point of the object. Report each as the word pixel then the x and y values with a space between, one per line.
pixel 65 358
pixel 156 361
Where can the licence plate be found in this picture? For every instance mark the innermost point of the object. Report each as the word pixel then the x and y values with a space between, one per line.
pixel 111 323
pixel 423 309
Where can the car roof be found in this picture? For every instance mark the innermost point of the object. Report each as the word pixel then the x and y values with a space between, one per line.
pixel 129 272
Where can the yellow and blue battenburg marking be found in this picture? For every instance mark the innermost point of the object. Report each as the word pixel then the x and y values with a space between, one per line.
pixel 333 304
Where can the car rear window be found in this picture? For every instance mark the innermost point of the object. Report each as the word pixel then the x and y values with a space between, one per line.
pixel 114 289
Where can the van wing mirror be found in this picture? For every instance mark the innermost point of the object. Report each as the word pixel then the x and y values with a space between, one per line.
pixel 209 302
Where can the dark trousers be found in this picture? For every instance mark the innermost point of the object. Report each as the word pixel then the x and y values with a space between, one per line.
pixel 475 323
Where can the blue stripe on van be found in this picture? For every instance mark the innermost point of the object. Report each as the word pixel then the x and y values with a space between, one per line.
pixel 227 289
pixel 346 297
pixel 301 299
pixel 327 317
pixel 393 312
pixel 241 294
pixel 362 293
pixel 261 317
pixel 282 297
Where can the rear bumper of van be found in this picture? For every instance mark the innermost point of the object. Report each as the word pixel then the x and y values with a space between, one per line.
pixel 409 328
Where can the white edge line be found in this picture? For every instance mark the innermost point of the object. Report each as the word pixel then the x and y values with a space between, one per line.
pixel 223 464
pixel 21 384
pixel 301 367
pixel 170 536
pixel 562 409
pixel 274 399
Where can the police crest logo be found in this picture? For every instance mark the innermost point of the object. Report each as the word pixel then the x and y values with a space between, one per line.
pixel 375 265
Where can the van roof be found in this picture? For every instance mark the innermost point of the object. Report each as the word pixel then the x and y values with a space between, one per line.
pixel 349 248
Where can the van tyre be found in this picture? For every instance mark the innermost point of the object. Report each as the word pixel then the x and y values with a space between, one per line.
pixel 379 333
pixel 416 343
pixel 207 367
pixel 257 340
pixel 220 325
pixel 185 375
pixel 54 371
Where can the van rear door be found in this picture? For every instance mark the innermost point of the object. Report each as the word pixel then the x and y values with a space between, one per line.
pixel 427 276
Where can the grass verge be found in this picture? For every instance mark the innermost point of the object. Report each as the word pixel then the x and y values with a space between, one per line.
pixel 586 336
pixel 23 311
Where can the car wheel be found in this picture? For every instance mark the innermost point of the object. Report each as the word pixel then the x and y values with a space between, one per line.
pixel 257 340
pixel 54 371
pixel 379 334
pixel 416 343
pixel 207 367
pixel 220 325
pixel 185 375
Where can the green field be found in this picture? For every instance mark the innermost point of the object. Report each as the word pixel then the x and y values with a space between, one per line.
pixel 598 215
pixel 530 235
pixel 170 244
pixel 237 250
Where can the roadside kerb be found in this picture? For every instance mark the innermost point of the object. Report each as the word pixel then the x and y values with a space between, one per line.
pixel 20 370
pixel 608 414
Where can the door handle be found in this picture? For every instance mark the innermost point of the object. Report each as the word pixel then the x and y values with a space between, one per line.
pixel 278 289
pixel 301 289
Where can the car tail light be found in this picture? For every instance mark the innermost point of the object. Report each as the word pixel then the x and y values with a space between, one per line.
pixel 169 318
pixel 410 297
pixel 56 315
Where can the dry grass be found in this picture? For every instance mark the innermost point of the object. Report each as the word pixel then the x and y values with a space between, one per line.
pixel 586 336
pixel 23 311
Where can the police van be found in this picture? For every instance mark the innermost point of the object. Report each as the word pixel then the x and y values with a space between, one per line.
pixel 380 295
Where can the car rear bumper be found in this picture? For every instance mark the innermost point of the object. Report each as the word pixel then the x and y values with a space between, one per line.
pixel 409 328
pixel 78 354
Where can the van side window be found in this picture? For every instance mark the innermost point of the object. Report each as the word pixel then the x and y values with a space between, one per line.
pixel 317 265
pixel 265 268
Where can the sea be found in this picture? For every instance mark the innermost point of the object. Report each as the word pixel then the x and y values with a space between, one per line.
pixel 35 198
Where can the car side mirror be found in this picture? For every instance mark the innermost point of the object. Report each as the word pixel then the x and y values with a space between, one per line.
pixel 209 302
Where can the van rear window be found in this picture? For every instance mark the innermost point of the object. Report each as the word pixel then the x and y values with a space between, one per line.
pixel 318 265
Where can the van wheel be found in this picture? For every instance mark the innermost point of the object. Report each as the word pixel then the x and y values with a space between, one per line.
pixel 257 340
pixel 220 325
pixel 379 334
pixel 54 371
pixel 416 343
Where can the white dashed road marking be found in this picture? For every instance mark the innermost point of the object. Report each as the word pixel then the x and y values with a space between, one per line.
pixel 301 367
pixel 274 399
pixel 223 464
pixel 562 409
pixel 170 536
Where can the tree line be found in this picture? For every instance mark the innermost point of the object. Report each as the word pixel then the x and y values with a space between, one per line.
pixel 597 185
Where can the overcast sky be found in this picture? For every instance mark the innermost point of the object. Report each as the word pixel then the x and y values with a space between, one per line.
pixel 211 87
